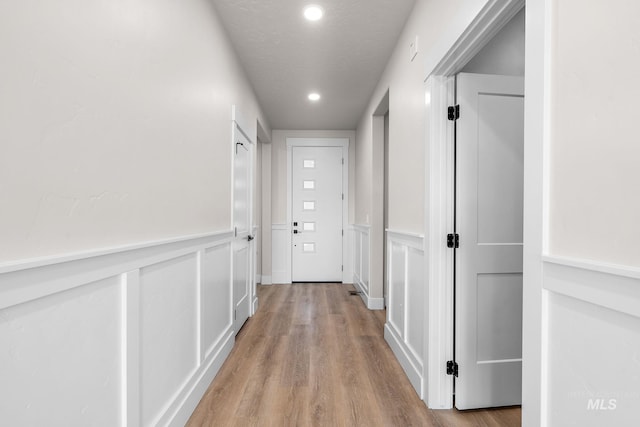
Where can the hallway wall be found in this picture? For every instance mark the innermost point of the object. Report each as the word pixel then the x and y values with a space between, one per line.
pixel 437 25
pixel 590 267
pixel 595 150
pixel 404 79
pixel 115 123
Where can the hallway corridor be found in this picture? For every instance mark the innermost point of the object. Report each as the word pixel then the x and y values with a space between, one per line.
pixel 314 355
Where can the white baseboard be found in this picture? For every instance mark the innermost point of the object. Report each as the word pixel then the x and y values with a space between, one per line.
pixel 375 304
pixel 254 305
pixel 266 280
pixel 414 373
pixel 281 278
pixel 201 382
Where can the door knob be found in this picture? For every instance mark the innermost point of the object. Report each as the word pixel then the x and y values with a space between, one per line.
pixel 250 238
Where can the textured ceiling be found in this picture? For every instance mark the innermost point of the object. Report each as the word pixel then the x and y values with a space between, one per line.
pixel 342 56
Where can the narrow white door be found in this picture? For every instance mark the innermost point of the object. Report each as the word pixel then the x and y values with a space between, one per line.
pixel 242 227
pixel 317 214
pixel 489 197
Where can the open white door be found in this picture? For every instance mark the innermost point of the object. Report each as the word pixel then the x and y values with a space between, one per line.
pixel 242 199
pixel 489 197
pixel 317 204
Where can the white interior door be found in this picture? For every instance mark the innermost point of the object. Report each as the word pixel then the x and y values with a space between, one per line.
pixel 242 197
pixel 489 197
pixel 317 214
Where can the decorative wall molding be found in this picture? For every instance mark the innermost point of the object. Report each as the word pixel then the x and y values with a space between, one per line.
pixel 461 42
pixel 405 329
pixel 280 253
pixel 99 327
pixel 412 240
pixel 591 318
pixel 361 266
pixel 614 287
pixel 31 279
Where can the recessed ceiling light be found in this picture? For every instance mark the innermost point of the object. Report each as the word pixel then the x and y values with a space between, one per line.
pixel 314 96
pixel 313 12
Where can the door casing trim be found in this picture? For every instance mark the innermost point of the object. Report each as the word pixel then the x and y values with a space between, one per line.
pixel 439 94
pixel 319 142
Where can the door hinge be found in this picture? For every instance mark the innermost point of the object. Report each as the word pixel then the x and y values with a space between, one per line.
pixel 342 268
pixel 343 231
pixel 452 368
pixel 235 314
pixel 343 160
pixel 453 240
pixel 342 196
pixel 453 112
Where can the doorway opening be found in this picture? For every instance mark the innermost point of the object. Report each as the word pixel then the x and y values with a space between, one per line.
pixel 493 44
pixel 243 152
pixel 380 196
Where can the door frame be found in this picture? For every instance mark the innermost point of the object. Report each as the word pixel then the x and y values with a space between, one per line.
pixel 318 142
pixel 239 123
pixel 439 94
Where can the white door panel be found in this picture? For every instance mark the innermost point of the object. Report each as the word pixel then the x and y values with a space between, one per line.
pixel 242 197
pixel 317 214
pixel 489 197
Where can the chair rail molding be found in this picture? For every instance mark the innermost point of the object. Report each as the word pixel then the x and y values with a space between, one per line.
pixel 131 335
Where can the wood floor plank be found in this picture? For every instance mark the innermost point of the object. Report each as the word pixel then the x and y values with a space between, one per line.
pixel 313 355
pixel 265 375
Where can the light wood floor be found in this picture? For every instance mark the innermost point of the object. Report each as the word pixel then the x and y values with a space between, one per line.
pixel 315 356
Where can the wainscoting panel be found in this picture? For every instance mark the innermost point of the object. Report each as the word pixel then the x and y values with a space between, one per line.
pixel 593 374
pixel 397 287
pixel 364 262
pixel 360 262
pixel 216 297
pixel 169 335
pixel 404 330
pixel 356 245
pixel 280 254
pixel 416 288
pixel 60 358
pixel 122 337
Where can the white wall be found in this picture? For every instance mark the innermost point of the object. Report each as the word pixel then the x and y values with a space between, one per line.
pixel 404 81
pixel 407 131
pixel 595 150
pixel 116 127
pixel 115 122
pixel 504 54
pixel 583 285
